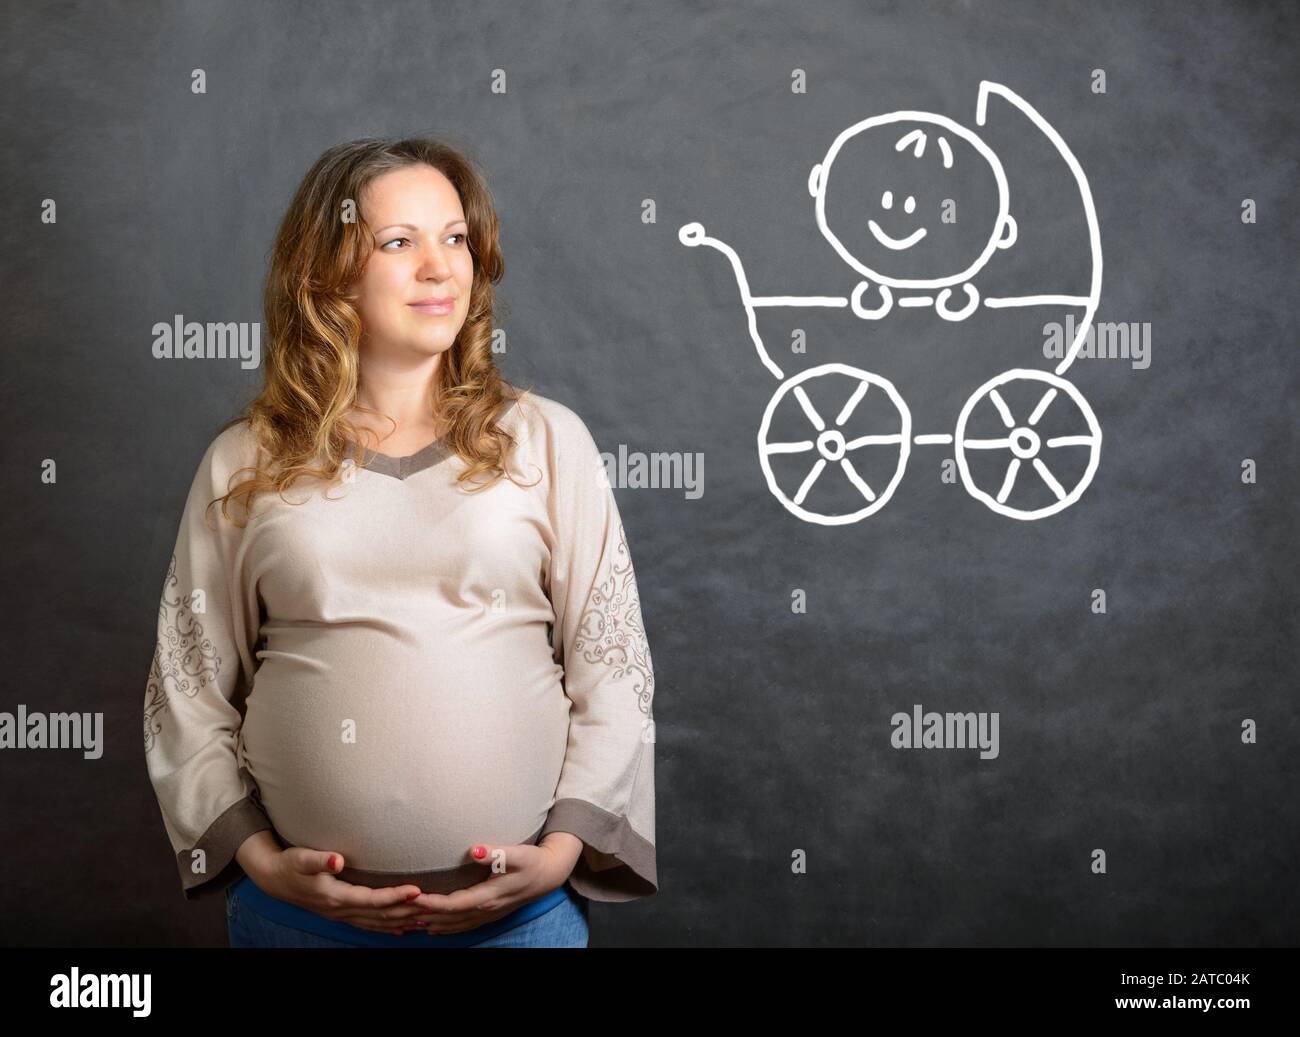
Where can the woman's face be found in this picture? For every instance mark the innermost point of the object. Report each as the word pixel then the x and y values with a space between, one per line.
pixel 421 253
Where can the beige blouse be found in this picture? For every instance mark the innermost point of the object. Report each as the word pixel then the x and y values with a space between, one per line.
pixel 394 668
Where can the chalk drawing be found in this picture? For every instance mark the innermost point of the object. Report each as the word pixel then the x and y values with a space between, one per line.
pixel 875 256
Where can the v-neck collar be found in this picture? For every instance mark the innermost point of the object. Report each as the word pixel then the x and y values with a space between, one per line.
pixel 426 457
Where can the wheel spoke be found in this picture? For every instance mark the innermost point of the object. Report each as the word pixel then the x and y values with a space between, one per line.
pixel 1009 481
pixel 1050 479
pixel 856 479
pixel 789 448
pixel 1048 397
pixel 808 483
pixel 853 444
pixel 808 408
pixel 1002 407
pixel 1072 441
pixel 986 444
pixel 853 401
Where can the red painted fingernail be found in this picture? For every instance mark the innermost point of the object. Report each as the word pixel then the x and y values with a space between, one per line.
pixel 331 865
pixel 421 924
pixel 479 851
pixel 412 896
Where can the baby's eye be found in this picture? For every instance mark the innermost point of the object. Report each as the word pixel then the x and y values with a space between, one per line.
pixel 887 200
pixel 909 206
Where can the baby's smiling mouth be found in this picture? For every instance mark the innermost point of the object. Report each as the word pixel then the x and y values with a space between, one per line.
pixel 897 244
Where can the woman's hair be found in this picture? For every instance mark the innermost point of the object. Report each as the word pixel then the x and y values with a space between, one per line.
pixel 313 328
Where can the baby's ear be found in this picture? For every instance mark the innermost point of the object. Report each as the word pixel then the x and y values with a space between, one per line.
pixel 815 180
pixel 1009 231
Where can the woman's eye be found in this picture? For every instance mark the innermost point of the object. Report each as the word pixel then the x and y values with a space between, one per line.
pixel 393 242
pixel 463 237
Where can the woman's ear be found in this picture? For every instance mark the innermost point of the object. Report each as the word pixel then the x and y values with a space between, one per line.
pixel 1009 231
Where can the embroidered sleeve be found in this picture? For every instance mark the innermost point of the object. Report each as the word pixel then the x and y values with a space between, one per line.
pixel 605 794
pixel 201 671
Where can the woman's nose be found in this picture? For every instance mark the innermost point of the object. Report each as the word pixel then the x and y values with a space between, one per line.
pixel 433 265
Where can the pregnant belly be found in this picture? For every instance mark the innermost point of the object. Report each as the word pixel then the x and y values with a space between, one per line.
pixel 402 763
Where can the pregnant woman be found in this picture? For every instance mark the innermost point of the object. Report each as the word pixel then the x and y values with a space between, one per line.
pixel 402 689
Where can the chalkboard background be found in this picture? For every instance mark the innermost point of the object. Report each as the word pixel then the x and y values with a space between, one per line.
pixel 1120 732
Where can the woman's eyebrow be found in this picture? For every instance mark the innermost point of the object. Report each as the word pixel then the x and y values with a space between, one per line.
pixel 412 226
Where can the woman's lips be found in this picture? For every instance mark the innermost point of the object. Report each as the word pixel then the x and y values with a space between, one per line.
pixel 433 308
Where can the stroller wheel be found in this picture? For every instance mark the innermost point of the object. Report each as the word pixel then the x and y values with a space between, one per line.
pixel 828 447
pixel 1026 446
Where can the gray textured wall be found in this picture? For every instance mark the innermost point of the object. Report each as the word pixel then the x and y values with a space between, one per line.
pixel 1119 732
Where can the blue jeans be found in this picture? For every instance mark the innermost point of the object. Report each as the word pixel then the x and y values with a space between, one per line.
pixel 249 923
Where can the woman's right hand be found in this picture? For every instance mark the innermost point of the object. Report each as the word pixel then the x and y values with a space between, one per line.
pixel 304 877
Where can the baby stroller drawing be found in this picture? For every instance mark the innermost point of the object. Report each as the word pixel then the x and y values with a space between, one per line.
pixel 874 252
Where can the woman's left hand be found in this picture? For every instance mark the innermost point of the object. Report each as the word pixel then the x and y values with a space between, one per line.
pixel 521 874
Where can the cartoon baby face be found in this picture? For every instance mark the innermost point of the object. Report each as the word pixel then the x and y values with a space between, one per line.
pixel 912 200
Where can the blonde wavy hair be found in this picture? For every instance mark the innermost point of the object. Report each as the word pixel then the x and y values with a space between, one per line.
pixel 313 329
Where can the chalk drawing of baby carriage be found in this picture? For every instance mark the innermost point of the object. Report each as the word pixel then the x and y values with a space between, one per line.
pixel 877 255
